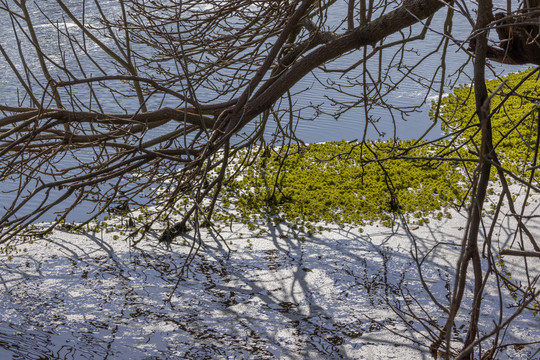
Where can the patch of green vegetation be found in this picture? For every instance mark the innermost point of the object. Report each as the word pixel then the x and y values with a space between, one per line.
pixel 515 116
pixel 345 182
pixel 361 184
pixel 515 113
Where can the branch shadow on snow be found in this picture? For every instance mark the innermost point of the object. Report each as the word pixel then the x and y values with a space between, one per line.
pixel 338 294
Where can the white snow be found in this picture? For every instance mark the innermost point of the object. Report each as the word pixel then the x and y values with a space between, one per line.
pixel 334 295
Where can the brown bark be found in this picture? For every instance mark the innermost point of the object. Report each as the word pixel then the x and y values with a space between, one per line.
pixel 369 34
pixel 519 37
pixel 470 250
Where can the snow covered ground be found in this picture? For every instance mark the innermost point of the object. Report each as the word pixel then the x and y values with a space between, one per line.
pixel 336 295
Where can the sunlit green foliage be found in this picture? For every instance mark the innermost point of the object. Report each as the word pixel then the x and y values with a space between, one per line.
pixel 362 183
pixel 347 183
pixel 514 119
pixel 371 182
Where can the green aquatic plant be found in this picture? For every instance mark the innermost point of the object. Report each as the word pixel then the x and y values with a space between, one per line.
pixel 362 183
pixel 515 111
pixel 342 182
pixel 515 125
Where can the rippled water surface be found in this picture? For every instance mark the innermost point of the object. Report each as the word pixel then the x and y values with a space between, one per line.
pixel 325 127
